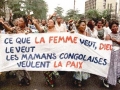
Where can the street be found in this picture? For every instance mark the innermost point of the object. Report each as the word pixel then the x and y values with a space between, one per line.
pixel 64 82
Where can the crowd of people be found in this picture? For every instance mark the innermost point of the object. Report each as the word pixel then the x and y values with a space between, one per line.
pixel 100 29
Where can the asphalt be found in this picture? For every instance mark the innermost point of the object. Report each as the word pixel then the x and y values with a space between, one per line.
pixel 64 82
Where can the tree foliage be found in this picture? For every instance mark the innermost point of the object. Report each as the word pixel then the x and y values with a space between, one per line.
pixel 59 10
pixel 96 14
pixel 73 14
pixel 22 7
pixel 38 7
pixel 93 14
pixel 106 14
pixel 2 5
pixel 15 6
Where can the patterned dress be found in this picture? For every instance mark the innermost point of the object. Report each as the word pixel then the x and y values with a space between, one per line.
pixel 114 69
pixel 50 75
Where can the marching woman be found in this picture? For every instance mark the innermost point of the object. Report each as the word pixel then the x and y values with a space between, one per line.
pixel 49 75
pixel 114 69
pixel 80 76
pixel 101 31
pixel 24 77
pixel 91 29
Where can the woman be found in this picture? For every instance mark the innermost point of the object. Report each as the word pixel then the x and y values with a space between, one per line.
pixel 21 28
pixel 101 31
pixel 49 75
pixel 114 69
pixel 91 29
pixel 80 76
pixel 106 28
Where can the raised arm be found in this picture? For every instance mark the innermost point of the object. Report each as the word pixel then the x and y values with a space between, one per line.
pixel 53 15
pixel 37 26
pixel 7 28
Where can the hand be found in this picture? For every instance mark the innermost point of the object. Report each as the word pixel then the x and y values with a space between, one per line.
pixel 54 14
pixel 72 31
pixel 26 32
pixel 114 40
pixel 10 14
pixel 118 42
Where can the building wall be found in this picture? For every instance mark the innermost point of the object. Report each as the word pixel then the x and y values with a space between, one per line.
pixel 99 4
pixel 118 14
pixel 90 4
pixel 113 2
pixel 86 6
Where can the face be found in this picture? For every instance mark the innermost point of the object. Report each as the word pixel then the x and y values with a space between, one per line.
pixel 82 27
pixel 70 23
pixel 114 28
pixel 29 22
pixel 99 24
pixel 50 23
pixel 107 24
pixel 59 19
pixel 93 23
pixel 21 22
pixel 43 22
pixel 16 22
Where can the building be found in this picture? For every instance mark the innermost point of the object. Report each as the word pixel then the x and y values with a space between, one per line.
pixel 118 14
pixel 100 5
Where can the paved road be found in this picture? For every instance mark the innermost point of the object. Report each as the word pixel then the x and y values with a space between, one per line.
pixel 62 83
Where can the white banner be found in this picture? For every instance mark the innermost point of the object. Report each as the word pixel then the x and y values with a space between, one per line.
pixel 54 52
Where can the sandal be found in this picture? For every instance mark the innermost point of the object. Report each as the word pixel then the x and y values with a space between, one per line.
pixel 20 84
pixel 52 85
pixel 79 84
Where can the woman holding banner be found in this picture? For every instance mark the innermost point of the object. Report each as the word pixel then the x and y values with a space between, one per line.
pixel 49 75
pixel 24 77
pixel 80 76
pixel 114 69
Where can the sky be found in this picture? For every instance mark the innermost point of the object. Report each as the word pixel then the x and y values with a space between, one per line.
pixel 66 5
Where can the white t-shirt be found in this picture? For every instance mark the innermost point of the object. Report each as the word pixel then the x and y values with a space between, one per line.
pixel 61 28
pixel 107 30
pixel 93 34
pixel 33 28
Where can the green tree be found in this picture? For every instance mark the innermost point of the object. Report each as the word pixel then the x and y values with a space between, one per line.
pixel 93 14
pixel 59 10
pixel 106 14
pixel 22 7
pixel 2 7
pixel 73 14
pixel 15 6
pixel 38 7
